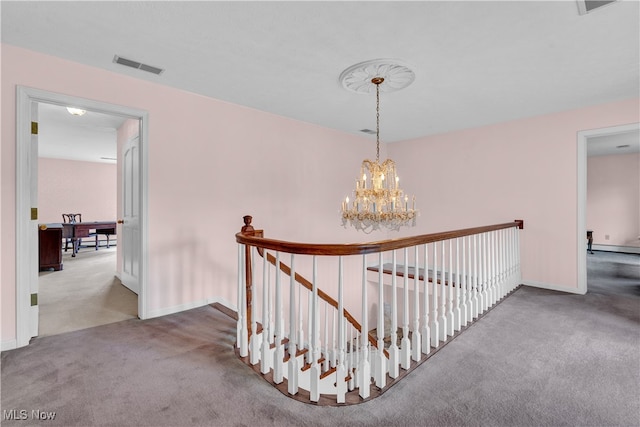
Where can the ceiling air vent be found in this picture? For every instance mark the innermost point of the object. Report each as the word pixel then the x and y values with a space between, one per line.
pixel 369 131
pixel 134 64
pixel 588 6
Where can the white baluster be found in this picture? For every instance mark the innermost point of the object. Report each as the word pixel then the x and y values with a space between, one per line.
pixel 469 278
pixel 435 327
pixel 350 358
pixel 300 336
pixel 495 238
pixel 458 289
pixel 476 280
pixel 394 353
pixel 505 263
pixel 270 307
pixel 254 340
pixel 514 258
pixel 443 297
pixel 278 355
pixel 426 329
pixel 243 332
pixel 500 265
pixel 314 345
pixel 464 310
pixel 480 275
pixel 364 368
pixel 357 360
pixel 491 268
pixel 416 338
pixel 518 260
pixel 485 272
pixel 292 365
pixel 341 372
pixel 327 360
pixel 405 344
pixel 334 336
pixel 265 349
pixel 450 324
pixel 309 357
pixel 380 366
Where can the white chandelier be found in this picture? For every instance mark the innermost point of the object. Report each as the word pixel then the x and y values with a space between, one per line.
pixel 378 200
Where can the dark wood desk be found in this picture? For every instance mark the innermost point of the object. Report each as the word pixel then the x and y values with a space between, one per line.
pixel 81 230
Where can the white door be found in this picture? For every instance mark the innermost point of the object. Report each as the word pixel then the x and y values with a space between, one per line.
pixel 130 223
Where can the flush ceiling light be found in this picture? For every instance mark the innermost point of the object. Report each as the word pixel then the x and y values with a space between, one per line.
pixel 379 202
pixel 76 111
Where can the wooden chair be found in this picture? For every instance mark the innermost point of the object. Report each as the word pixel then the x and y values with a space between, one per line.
pixel 71 219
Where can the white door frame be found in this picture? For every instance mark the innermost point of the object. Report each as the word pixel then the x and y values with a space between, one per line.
pixel 583 137
pixel 25 246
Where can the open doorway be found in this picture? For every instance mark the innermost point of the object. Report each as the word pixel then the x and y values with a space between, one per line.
pixel 608 209
pixel 78 170
pixel 28 99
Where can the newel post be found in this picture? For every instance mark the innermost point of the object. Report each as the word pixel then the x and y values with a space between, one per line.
pixel 248 230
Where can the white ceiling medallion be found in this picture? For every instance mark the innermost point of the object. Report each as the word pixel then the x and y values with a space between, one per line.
pixel 397 75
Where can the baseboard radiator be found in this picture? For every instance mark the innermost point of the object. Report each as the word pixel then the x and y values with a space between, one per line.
pixel 340 323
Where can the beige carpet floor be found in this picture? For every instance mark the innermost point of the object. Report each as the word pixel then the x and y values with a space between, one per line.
pixel 85 293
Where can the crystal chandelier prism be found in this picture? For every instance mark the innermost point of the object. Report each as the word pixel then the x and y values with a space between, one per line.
pixel 378 201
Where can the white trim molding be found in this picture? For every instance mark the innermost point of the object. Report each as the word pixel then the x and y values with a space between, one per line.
pixel 582 140
pixel 553 287
pixel 8 345
pixel 25 96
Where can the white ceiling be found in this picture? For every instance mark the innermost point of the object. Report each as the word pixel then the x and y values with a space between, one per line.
pixel 91 137
pixel 623 143
pixel 476 62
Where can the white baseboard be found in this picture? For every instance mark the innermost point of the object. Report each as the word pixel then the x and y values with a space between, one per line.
pixel 188 306
pixel 8 345
pixel 612 248
pixel 553 287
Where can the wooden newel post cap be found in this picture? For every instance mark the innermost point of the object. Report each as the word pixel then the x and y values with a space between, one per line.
pixel 247 224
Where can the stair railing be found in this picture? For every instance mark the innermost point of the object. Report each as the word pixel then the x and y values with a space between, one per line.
pixel 312 340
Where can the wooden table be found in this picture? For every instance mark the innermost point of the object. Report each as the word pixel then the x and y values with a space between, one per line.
pixel 80 230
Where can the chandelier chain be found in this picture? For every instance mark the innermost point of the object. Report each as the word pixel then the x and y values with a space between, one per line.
pixel 377 121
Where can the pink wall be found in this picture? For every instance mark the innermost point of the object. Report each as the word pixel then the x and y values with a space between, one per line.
pixel 613 199
pixel 524 169
pixel 71 186
pixel 210 163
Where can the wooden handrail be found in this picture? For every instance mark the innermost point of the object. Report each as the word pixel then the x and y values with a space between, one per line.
pixel 366 248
